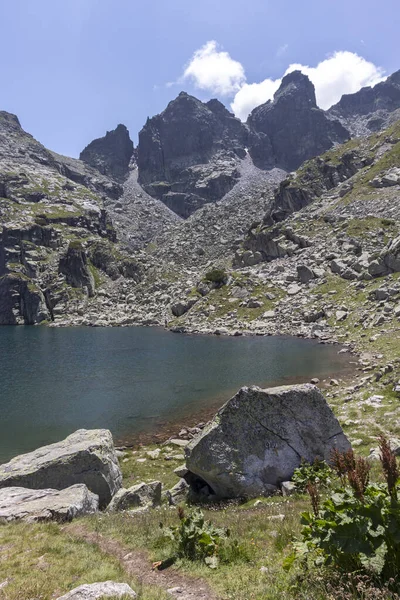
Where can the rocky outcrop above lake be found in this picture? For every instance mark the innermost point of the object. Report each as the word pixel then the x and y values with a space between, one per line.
pixel 110 154
pixel 291 128
pixel 85 457
pixel 17 503
pixel 259 437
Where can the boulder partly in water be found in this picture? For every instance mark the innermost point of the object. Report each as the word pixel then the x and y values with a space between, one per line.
pixel 259 437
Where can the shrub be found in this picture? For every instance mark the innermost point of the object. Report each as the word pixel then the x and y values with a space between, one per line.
pixel 195 538
pixel 218 276
pixel 357 528
pixel 318 473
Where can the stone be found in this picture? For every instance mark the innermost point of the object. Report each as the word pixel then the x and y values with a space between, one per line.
pixel 182 307
pixel 341 315
pixel 254 303
pixel 304 274
pixel 100 591
pixel 178 493
pixel 288 488
pixel 259 437
pixel 18 503
pixel 143 494
pixel 181 471
pixel 86 456
pixel 394 445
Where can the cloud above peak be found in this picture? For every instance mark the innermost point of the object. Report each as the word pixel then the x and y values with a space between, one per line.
pixel 341 73
pixel 213 70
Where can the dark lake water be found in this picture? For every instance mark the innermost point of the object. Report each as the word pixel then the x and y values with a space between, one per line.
pixel 133 380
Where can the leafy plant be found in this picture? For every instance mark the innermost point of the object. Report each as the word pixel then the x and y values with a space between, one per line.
pixel 218 276
pixel 357 528
pixel 318 473
pixel 195 538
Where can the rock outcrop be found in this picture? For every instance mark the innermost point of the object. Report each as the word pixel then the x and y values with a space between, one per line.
pixel 259 437
pixel 291 128
pixel 17 503
pixel 102 590
pixel 110 154
pixel 137 496
pixel 21 301
pixel 74 265
pixel 86 456
pixel 188 155
pixel 371 108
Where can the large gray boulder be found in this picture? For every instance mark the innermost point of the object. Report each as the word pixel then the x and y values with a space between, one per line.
pixel 18 503
pixel 86 456
pixel 259 437
pixel 105 589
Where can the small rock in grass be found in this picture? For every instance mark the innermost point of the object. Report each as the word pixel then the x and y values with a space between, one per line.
pixel 288 488
pixel 153 454
pixel 105 589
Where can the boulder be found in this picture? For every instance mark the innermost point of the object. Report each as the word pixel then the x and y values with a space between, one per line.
pixel 288 488
pixel 18 503
pixel 178 493
pixel 304 273
pixel 182 306
pixel 105 589
pixel 143 494
pixel 86 456
pixel 259 437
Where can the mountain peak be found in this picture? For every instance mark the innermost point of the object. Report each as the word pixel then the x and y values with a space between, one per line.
pixel 110 154
pixel 297 88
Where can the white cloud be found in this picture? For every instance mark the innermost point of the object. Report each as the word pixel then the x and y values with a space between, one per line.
pixel 251 95
pixel 342 73
pixel 214 70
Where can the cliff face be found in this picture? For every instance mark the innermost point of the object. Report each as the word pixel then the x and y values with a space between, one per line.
pixel 191 154
pixel 110 154
pixel 371 108
pixel 188 155
pixel 291 128
pixel 52 213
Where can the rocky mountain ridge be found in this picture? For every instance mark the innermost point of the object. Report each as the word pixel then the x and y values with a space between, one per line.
pixel 86 244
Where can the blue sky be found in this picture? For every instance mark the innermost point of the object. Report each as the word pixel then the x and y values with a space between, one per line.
pixel 73 69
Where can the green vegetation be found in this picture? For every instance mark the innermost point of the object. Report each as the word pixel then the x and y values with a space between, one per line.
pixel 44 561
pixel 194 538
pixel 357 528
pixel 317 473
pixel 216 275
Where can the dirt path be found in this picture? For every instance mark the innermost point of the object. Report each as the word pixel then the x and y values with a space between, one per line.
pixel 136 563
